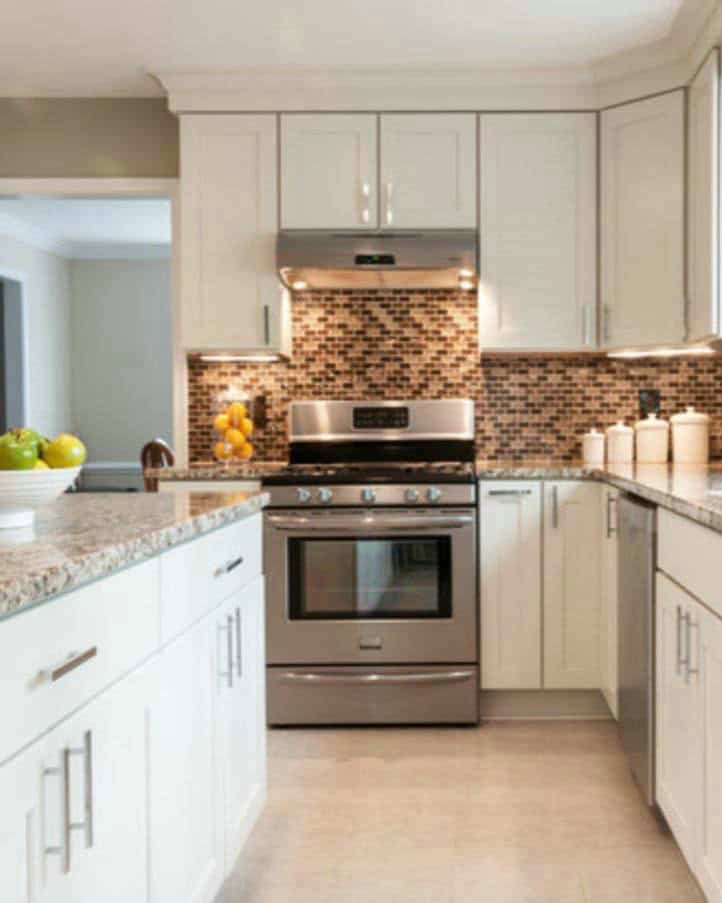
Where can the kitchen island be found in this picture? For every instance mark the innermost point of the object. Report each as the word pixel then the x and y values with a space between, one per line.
pixel 132 756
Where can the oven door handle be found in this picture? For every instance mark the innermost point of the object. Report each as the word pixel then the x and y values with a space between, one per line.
pixel 372 680
pixel 354 525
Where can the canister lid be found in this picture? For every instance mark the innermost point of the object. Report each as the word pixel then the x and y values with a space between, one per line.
pixel 690 416
pixel 652 422
pixel 593 434
pixel 620 427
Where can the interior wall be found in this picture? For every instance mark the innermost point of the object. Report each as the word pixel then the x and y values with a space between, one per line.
pixel 45 281
pixel 122 364
pixel 87 137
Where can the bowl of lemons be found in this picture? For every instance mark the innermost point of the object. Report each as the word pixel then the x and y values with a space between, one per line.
pixel 234 429
pixel 34 471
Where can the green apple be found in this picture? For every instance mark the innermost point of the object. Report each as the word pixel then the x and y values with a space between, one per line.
pixel 26 435
pixel 17 455
pixel 64 451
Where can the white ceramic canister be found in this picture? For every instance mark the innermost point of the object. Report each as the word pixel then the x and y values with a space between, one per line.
pixel 593 449
pixel 620 443
pixel 690 437
pixel 652 439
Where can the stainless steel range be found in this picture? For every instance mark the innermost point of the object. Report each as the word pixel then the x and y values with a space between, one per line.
pixel 370 562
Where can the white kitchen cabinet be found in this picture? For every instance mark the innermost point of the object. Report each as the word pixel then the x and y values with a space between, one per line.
pixel 241 713
pixel 538 245
pixel 428 170
pixel 703 202
pixel 642 222
pixel 329 171
pixel 231 297
pixel 510 563
pixel 609 601
pixel 679 750
pixel 710 693
pixel 187 821
pixel 572 590
pixel 20 824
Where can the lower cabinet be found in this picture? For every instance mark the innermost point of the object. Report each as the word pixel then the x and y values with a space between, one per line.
pixel 689 729
pixel 74 818
pixel 572 552
pixel 510 565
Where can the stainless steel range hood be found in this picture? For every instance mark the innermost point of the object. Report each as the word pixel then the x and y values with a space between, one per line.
pixel 378 260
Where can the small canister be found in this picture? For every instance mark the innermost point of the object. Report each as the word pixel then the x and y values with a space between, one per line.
pixel 620 443
pixel 690 437
pixel 593 449
pixel 652 436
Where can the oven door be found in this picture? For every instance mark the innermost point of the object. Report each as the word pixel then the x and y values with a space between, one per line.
pixel 371 586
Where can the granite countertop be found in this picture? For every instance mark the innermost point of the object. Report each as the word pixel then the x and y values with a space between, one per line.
pixel 84 536
pixel 215 470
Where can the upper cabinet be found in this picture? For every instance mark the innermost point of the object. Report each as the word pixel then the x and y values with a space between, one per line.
pixel 703 202
pixel 538 185
pixel 329 171
pixel 428 171
pixel 231 298
pixel 642 228
pixel 363 171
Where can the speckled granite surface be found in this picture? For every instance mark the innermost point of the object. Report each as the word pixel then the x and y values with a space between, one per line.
pixel 532 469
pixel 84 536
pixel 214 470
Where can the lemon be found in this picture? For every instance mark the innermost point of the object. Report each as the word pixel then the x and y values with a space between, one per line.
pixel 40 465
pixel 64 451
pixel 235 413
pixel 221 423
pixel 222 451
pixel 246 426
pixel 245 452
pixel 234 438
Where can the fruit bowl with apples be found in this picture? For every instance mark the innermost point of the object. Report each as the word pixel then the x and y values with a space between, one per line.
pixel 34 471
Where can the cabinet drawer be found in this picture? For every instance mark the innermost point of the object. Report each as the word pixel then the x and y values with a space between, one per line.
pixel 198 576
pixel 688 553
pixel 55 657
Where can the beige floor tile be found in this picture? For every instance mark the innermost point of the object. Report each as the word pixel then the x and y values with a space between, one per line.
pixel 515 812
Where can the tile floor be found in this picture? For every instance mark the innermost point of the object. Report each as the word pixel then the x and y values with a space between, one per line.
pixel 514 812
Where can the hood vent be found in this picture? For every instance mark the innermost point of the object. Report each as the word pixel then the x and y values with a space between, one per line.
pixel 438 259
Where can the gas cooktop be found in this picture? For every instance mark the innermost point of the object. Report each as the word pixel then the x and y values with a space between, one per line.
pixel 386 473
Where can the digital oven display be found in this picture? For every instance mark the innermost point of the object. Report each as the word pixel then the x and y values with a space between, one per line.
pixel 369 418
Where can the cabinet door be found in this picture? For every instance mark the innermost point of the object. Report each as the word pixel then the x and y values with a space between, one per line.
pixel 241 705
pixel 185 788
pixel 642 210
pixel 510 537
pixel 710 666
pixel 679 751
pixel 610 593
pixel 20 825
pixel 94 770
pixel 538 254
pixel 571 585
pixel 231 296
pixel 703 201
pixel 428 170
pixel 329 171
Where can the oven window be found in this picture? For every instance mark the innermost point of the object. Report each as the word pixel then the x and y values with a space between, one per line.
pixel 399 577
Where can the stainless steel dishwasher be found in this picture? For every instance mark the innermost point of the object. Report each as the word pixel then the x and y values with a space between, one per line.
pixel 637 536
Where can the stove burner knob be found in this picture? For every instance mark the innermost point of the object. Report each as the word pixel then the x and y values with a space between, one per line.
pixel 412 495
pixel 303 495
pixel 325 495
pixel 433 494
pixel 368 495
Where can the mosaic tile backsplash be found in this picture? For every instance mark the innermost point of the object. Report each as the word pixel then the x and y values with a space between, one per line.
pixel 398 344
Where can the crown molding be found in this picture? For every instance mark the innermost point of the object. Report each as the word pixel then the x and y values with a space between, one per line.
pixel 662 66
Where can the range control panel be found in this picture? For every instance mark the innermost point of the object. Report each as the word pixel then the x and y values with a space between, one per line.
pixel 381 418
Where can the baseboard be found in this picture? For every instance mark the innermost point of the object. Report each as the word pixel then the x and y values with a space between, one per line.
pixel 497 705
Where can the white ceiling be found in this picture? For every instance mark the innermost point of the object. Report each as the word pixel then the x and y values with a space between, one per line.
pixel 90 228
pixel 91 48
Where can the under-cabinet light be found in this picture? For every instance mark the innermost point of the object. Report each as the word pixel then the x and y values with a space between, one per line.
pixel 250 357
pixel 697 350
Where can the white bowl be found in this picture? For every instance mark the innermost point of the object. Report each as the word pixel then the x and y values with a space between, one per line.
pixel 22 491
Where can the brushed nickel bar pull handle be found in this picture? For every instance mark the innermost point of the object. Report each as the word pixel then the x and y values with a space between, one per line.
pixel 266 325
pixel 389 208
pixel 227 628
pixel 509 492
pixel 239 646
pixel 63 848
pixel 689 670
pixel 86 825
pixel 607 316
pixel 611 500
pixel 73 662
pixel 228 567
pixel 432 677
pixel 365 202
pixel 679 639
pixel 555 507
